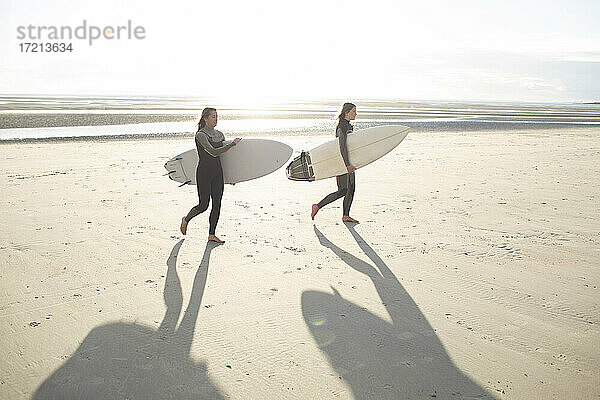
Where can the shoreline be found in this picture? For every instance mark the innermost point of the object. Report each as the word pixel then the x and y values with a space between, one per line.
pixel 417 127
pixel 17 120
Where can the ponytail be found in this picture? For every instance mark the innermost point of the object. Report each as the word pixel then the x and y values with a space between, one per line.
pixel 205 113
pixel 345 109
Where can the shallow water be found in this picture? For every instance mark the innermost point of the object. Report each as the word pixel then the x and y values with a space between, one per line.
pixel 33 118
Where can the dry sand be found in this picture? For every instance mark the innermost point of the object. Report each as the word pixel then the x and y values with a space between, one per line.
pixel 474 273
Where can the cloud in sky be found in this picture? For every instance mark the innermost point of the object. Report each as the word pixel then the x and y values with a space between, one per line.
pixel 464 50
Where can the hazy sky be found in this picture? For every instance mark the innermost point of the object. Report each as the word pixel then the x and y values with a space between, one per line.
pixel 257 50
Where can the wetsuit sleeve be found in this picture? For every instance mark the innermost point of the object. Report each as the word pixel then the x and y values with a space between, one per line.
pixel 213 151
pixel 343 135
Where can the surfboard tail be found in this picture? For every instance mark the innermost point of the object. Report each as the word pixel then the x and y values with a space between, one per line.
pixel 300 169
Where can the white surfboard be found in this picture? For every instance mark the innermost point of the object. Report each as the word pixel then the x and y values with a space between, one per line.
pixel 249 159
pixel 364 147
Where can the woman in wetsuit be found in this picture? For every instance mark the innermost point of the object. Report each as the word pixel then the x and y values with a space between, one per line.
pixel 345 183
pixel 209 174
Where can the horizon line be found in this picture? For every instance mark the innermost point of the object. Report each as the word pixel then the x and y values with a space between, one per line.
pixel 280 99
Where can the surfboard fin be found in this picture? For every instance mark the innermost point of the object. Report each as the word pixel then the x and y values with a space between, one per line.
pixel 185 183
pixel 300 169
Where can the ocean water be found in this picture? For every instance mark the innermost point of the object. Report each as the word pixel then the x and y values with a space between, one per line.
pixel 78 117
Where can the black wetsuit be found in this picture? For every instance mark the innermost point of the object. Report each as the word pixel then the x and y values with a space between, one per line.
pixel 209 175
pixel 345 183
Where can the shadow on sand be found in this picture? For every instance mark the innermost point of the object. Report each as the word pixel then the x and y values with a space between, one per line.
pixel 132 361
pixel 381 360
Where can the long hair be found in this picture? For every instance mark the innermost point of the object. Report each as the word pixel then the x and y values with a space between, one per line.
pixel 205 113
pixel 345 108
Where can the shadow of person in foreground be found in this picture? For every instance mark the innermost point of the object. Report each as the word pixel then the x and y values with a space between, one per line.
pixel 132 361
pixel 403 359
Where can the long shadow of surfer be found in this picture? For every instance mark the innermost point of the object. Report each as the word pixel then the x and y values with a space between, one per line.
pixel 381 360
pixel 128 360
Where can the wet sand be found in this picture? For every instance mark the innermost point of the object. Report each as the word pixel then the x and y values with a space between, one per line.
pixel 473 274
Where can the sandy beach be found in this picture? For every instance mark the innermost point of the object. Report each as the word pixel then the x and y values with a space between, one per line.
pixel 473 274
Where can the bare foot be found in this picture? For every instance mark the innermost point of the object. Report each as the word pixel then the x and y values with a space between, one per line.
pixel 213 238
pixel 314 211
pixel 347 218
pixel 183 227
